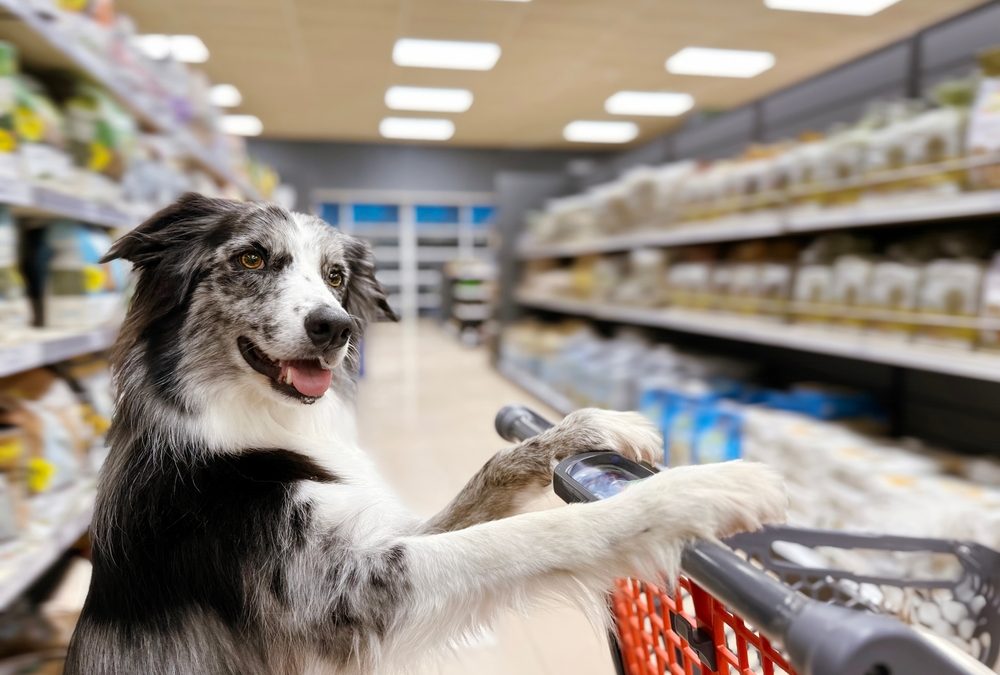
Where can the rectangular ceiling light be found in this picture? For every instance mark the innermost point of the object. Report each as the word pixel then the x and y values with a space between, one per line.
pixel 595 131
pixel 851 7
pixel 241 125
pixel 649 103
pixel 452 54
pixel 417 128
pixel 719 62
pixel 428 99
pixel 225 96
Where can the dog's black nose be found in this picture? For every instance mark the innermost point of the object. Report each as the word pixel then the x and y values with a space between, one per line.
pixel 328 329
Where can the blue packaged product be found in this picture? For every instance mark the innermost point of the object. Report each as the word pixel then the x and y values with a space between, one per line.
pixel 680 413
pixel 718 434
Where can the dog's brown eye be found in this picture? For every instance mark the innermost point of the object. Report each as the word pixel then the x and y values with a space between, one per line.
pixel 252 261
pixel 335 278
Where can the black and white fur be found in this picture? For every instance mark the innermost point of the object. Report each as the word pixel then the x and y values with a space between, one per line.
pixel 240 529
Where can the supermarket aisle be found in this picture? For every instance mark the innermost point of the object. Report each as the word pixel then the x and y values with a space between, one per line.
pixel 426 411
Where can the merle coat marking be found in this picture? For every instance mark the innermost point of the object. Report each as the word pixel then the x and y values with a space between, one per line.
pixel 240 528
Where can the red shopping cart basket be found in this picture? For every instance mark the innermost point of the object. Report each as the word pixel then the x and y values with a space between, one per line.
pixel 693 634
pixel 736 602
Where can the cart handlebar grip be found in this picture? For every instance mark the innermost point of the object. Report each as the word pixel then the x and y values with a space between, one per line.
pixel 821 639
pixel 516 423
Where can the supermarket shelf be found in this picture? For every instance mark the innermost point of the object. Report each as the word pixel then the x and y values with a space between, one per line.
pixel 472 293
pixel 778 223
pixel 24 561
pixel 472 312
pixel 437 232
pixel 375 231
pixel 41 347
pixel 34 200
pixel 394 277
pixel 874 349
pixel 538 389
pixel 729 229
pixel 51 45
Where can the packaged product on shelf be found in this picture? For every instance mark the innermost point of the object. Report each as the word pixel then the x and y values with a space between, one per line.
pixel 812 291
pixel 893 292
pixel 52 420
pixel 10 168
pixel 15 308
pixel 775 287
pixel 13 481
pixel 40 129
pixel 718 434
pixel 851 279
pixel 643 285
pixel 949 297
pixel 984 122
pixel 90 378
pixel 102 135
pixel 76 290
pixel 989 336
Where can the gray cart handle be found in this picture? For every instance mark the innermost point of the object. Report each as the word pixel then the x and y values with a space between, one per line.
pixel 820 639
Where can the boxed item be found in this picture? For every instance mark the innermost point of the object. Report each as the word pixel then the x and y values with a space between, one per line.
pixel 52 423
pixel 76 289
pixel 989 337
pixel 718 434
pixel 984 122
pixel 893 292
pixel 851 279
pixel 102 135
pixel 40 129
pixel 15 308
pixel 9 163
pixel 14 511
pixel 949 296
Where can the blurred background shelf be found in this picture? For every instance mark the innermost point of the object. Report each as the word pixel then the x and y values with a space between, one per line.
pixel 764 225
pixel 538 389
pixel 49 44
pixel 60 518
pixel 820 340
pixel 39 347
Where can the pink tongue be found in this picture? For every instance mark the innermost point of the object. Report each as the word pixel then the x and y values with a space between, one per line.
pixel 308 378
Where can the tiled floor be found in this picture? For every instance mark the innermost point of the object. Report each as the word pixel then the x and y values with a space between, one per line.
pixel 426 410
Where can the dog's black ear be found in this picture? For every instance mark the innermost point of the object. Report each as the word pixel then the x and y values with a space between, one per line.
pixel 176 225
pixel 365 296
pixel 168 250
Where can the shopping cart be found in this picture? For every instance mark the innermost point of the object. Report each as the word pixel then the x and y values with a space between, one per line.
pixel 767 603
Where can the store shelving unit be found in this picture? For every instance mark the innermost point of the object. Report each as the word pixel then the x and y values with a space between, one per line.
pixel 414 235
pixel 820 340
pixel 24 560
pixel 49 43
pixel 777 223
pixel 46 202
pixel 538 389
pixel 39 347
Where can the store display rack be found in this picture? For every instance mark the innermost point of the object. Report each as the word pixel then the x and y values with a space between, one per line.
pixel 40 347
pixel 777 222
pixel 36 200
pixel 24 560
pixel 819 340
pixel 538 389
pixel 53 45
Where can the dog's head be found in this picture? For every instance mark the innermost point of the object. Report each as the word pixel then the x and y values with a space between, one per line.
pixel 245 294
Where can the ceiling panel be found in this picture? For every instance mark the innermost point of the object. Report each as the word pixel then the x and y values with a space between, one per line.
pixel 318 69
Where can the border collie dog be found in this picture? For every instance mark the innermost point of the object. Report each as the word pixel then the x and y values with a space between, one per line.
pixel 241 530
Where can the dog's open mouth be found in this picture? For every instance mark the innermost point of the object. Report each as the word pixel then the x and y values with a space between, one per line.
pixel 305 379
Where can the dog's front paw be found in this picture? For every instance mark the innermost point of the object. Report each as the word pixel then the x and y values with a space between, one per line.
pixel 628 433
pixel 656 517
pixel 731 497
